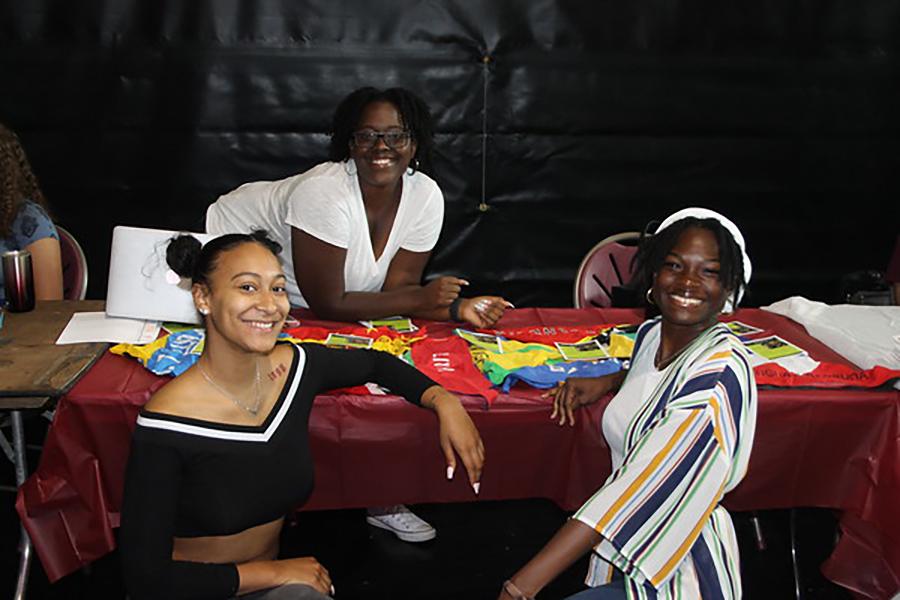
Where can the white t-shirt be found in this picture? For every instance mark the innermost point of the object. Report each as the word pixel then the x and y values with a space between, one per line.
pixel 642 379
pixel 326 202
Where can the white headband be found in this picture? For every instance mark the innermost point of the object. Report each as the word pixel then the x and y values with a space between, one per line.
pixel 705 213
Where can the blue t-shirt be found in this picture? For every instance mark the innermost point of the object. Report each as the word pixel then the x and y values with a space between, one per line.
pixel 31 224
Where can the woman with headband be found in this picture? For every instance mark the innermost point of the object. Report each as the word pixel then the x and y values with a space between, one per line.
pixel 680 430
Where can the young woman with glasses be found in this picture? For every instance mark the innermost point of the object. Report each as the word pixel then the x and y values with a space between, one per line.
pixel 362 226
pixel 360 229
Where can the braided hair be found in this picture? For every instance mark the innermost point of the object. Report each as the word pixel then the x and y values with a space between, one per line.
pixel 17 182
pixel 653 250
pixel 414 115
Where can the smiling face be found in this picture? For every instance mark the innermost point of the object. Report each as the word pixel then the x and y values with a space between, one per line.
pixel 246 300
pixel 687 288
pixel 380 165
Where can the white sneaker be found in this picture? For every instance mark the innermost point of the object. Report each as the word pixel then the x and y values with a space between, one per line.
pixel 402 522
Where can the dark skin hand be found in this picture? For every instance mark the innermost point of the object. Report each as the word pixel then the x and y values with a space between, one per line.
pixel 458 434
pixel 321 280
pixel 576 392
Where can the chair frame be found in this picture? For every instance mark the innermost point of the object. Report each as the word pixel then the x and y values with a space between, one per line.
pixel 81 285
pixel 612 239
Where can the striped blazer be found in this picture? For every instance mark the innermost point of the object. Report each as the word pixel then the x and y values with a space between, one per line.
pixel 686 445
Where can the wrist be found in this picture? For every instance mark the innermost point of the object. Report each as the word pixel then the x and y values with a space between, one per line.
pixel 513 591
pixel 423 301
pixel 443 402
pixel 454 309
pixel 433 397
pixel 276 572
pixel 259 575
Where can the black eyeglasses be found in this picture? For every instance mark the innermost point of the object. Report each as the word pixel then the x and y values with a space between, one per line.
pixel 395 139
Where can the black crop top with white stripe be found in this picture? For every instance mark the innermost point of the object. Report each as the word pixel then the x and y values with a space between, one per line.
pixel 192 478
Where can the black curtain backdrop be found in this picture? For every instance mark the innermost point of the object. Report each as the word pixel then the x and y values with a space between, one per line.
pixel 558 122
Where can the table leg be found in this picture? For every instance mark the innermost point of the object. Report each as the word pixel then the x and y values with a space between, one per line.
pixel 25 549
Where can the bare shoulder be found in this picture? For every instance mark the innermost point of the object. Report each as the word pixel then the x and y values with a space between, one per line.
pixel 179 397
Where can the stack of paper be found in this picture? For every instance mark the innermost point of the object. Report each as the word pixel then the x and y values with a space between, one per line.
pixel 97 327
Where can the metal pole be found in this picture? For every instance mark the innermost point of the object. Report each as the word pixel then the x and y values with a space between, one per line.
pixel 486 72
pixel 25 549
pixel 797 586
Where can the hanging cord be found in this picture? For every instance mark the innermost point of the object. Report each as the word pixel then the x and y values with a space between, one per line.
pixel 485 69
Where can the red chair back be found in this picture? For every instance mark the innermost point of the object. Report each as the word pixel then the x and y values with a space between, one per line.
pixel 606 265
pixel 74 266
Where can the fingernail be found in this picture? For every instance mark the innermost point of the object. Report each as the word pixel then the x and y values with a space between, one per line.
pixel 449 472
pixel 332 590
pixel 464 282
pixel 476 486
pixel 510 305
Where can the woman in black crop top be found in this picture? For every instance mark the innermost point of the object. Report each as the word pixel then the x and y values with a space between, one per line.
pixel 207 484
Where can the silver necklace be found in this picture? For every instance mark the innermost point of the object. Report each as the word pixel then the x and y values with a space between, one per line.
pixel 662 364
pixel 254 410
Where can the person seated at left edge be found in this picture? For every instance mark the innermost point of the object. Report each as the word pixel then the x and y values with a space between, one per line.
pixel 24 222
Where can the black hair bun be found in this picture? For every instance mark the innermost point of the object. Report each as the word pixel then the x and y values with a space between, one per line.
pixel 182 254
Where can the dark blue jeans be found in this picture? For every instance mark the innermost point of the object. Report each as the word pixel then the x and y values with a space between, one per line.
pixel 614 590
pixel 286 592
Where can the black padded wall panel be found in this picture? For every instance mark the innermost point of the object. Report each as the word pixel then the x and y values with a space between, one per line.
pixel 558 122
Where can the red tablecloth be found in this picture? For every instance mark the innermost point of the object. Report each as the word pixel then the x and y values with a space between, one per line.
pixel 827 448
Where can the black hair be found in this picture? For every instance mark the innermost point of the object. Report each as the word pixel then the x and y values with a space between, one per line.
pixel 189 258
pixel 653 250
pixel 414 115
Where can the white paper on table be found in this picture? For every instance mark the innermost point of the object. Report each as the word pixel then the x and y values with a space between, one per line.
pixel 798 364
pixel 97 327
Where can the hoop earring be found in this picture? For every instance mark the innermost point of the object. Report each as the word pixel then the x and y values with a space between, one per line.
pixel 413 167
pixel 348 169
pixel 649 296
pixel 730 305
